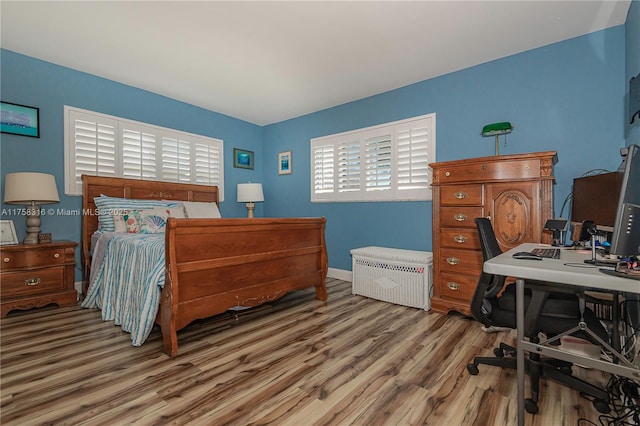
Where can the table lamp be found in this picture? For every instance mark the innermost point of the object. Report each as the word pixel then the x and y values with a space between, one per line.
pixel 250 193
pixel 31 189
pixel 497 129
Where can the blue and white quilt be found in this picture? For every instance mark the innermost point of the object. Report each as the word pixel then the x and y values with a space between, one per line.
pixel 127 276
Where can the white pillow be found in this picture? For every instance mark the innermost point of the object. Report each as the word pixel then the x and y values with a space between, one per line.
pixel 195 209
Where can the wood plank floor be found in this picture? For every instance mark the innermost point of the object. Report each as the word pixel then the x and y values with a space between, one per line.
pixel 299 361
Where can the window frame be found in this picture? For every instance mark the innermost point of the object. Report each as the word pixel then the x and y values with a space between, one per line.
pixel 200 148
pixel 395 174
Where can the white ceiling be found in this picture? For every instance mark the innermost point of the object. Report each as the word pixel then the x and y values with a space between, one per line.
pixel 267 61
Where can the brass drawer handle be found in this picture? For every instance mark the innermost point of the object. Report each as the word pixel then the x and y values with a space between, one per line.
pixel 447 173
pixel 453 260
pixel 460 239
pixel 453 286
pixel 6 260
pixel 57 255
pixel 32 281
pixel 460 217
pixel 460 195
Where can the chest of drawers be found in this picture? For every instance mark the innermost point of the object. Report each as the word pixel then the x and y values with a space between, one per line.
pixel 514 191
pixel 37 275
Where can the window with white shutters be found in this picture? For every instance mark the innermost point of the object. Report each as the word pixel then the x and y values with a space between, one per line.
pixel 389 162
pixel 102 145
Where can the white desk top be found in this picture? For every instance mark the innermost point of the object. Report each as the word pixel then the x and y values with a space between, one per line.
pixel 569 269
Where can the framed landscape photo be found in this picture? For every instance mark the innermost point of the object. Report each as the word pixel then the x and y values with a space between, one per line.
pixel 8 233
pixel 284 163
pixel 19 120
pixel 242 159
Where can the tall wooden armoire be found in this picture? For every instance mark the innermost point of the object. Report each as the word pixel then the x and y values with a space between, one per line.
pixel 514 191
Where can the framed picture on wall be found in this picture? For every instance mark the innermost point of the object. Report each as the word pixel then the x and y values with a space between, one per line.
pixel 19 120
pixel 242 159
pixel 284 163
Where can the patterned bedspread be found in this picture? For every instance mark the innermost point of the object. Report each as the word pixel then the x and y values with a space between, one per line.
pixel 127 276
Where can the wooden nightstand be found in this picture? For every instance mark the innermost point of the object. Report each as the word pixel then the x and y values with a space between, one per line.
pixel 36 275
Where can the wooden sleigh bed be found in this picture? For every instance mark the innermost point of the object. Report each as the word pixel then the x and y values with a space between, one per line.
pixel 213 265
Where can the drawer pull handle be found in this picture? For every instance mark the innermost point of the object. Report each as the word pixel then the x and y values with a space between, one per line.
pixel 460 195
pixel 460 217
pixel 453 260
pixel 32 281
pixel 6 260
pixel 447 173
pixel 57 255
pixel 453 286
pixel 460 239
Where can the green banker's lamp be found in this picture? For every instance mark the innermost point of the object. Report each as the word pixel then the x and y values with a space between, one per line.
pixel 497 129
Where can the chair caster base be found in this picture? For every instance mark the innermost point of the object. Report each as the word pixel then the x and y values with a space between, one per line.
pixel 531 406
pixel 472 369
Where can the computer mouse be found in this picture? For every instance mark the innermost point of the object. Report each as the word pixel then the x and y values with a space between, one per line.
pixel 526 255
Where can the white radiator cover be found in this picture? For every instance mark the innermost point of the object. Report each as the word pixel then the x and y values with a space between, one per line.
pixel 392 275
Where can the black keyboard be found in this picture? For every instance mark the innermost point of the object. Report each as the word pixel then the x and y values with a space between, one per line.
pixel 549 253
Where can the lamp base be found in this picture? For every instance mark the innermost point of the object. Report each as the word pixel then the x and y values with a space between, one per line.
pixel 250 208
pixel 33 225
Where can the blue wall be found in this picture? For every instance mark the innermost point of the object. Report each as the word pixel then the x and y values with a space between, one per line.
pixel 567 97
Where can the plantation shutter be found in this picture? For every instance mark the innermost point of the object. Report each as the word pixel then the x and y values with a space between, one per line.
pixel 389 162
pixel 208 163
pixel 349 167
pixel 323 169
pixel 176 160
pixel 138 153
pixel 102 145
pixel 414 156
pixel 94 150
pixel 378 163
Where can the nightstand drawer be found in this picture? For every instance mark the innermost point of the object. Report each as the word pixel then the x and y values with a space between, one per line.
pixel 17 284
pixel 12 260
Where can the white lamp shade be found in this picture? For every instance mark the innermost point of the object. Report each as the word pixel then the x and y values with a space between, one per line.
pixel 250 192
pixel 27 187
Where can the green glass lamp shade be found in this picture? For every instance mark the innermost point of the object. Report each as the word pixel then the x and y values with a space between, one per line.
pixel 497 129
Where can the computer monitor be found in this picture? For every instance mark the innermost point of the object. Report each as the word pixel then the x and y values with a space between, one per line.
pixel 625 240
pixel 595 198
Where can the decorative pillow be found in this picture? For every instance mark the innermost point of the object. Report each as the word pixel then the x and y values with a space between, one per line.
pixel 110 206
pixel 152 221
pixel 131 223
pixel 119 222
pixel 195 209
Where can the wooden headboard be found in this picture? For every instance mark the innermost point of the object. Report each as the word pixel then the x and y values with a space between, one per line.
pixel 94 186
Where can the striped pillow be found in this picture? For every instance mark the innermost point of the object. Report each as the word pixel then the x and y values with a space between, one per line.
pixel 110 206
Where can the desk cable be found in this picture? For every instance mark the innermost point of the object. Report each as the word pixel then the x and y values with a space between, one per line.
pixel 624 393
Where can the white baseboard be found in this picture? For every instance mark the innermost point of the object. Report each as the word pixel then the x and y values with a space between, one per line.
pixel 340 274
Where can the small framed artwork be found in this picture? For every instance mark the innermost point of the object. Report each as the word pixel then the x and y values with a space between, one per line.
pixel 242 159
pixel 8 232
pixel 284 163
pixel 19 120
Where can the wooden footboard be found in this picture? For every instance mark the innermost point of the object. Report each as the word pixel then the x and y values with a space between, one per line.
pixel 215 264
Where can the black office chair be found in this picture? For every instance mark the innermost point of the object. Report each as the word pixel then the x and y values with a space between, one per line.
pixel 546 310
